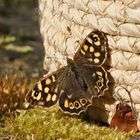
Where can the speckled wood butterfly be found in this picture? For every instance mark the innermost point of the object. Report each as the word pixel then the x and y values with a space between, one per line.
pixel 75 85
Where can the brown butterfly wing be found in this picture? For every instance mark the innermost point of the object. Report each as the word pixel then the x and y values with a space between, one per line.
pixel 46 91
pixel 93 49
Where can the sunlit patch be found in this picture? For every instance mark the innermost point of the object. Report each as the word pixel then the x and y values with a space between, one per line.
pixel 99 73
pixel 96 40
pixel 97 54
pixel 83 101
pixel 53 78
pixel 66 104
pixel 48 98
pixel 39 85
pixel 54 97
pixel 48 81
pixel 96 60
pixel 77 104
pixel 46 89
pixel 91 49
pixel 89 40
pixel 85 47
pixel 82 52
pixel 71 105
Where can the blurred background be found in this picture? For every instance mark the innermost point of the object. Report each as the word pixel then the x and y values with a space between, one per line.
pixel 20 40
pixel 21 53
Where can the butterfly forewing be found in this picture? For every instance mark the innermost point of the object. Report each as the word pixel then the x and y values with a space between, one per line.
pixel 46 91
pixel 92 50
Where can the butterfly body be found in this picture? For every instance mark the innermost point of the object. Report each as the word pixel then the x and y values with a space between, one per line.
pixel 74 85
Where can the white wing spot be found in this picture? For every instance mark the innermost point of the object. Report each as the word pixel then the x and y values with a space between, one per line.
pixel 54 97
pixel 48 98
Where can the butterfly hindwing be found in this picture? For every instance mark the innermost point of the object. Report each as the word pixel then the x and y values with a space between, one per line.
pixel 102 81
pixel 72 104
pixel 75 98
pixel 93 49
pixel 96 79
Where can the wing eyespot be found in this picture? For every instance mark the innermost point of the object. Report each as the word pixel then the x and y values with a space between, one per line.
pixel 71 105
pixel 96 89
pixel 100 84
pixel 96 40
pixel 77 104
pixel 36 95
pixel 83 101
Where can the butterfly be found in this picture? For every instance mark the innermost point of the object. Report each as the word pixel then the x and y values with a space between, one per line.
pixel 75 85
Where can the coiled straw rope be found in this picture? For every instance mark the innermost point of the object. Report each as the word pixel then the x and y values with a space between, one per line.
pixel 63 22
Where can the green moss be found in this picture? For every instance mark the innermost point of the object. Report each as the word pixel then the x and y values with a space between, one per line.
pixel 40 124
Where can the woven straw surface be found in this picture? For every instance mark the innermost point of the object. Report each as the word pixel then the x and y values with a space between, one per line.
pixel 63 22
